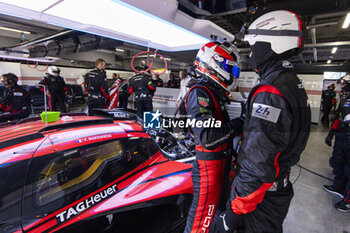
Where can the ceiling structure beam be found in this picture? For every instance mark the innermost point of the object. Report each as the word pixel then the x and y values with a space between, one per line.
pixel 323 24
pixel 241 10
pixel 313 38
pixel 328 44
pixel 40 40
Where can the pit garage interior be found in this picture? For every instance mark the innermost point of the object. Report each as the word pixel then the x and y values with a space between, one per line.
pixel 36 34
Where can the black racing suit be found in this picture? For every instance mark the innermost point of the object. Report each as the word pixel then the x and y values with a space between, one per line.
pixel 14 104
pixel 144 88
pixel 206 101
pixel 340 160
pixel 275 133
pixel 57 88
pixel 97 89
pixel 123 95
pixel 328 101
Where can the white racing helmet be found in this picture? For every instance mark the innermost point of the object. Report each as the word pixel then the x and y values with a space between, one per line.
pixel 345 83
pixel 219 62
pixel 282 29
pixel 344 80
pixel 54 71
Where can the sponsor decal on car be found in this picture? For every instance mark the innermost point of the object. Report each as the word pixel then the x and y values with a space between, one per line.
pixel 86 204
pixel 93 138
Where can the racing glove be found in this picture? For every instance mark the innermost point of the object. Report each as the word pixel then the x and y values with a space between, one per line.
pixel 227 222
pixel 237 125
pixel 329 137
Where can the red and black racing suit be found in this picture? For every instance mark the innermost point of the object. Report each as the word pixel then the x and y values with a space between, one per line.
pixel 15 104
pixel 97 89
pixel 206 100
pixel 275 133
pixel 57 88
pixel 144 89
pixel 340 160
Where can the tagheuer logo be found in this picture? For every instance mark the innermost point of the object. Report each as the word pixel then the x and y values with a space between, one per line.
pixel 87 203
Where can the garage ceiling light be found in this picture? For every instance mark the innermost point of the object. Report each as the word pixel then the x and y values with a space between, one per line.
pixel 43 60
pixel 334 50
pixel 346 21
pixel 110 18
pixel 119 50
pixel 35 5
pixel 14 30
pixel 329 61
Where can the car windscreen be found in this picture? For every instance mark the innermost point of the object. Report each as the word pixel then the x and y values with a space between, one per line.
pixel 73 169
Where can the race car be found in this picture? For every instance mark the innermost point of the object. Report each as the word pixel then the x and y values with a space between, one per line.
pixel 90 174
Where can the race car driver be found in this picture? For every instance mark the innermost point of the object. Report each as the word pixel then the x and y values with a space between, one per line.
pixel 340 160
pixel 56 87
pixel 276 128
pixel 218 66
pixel 15 103
pixel 144 88
pixel 96 86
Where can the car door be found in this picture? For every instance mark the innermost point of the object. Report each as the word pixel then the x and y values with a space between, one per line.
pixel 15 158
pixel 64 181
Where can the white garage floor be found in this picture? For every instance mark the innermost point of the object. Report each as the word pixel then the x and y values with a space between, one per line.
pixel 312 209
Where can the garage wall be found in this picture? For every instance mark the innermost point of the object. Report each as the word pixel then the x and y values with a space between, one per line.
pixel 30 75
pixel 313 85
pixel 10 67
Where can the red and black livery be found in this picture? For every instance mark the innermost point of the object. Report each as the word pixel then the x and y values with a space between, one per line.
pixel 89 174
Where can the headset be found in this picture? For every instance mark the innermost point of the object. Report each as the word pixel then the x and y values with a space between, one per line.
pixel 11 78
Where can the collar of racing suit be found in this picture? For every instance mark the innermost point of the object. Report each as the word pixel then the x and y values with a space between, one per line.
pixel 264 59
pixel 272 66
pixel 213 86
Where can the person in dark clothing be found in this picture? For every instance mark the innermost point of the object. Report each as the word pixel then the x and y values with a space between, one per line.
pixel 15 102
pixel 205 101
pixel 56 88
pixel 96 86
pixel 275 131
pixel 158 81
pixel 144 89
pixel 328 101
pixel 123 94
pixel 172 83
pixel 340 160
